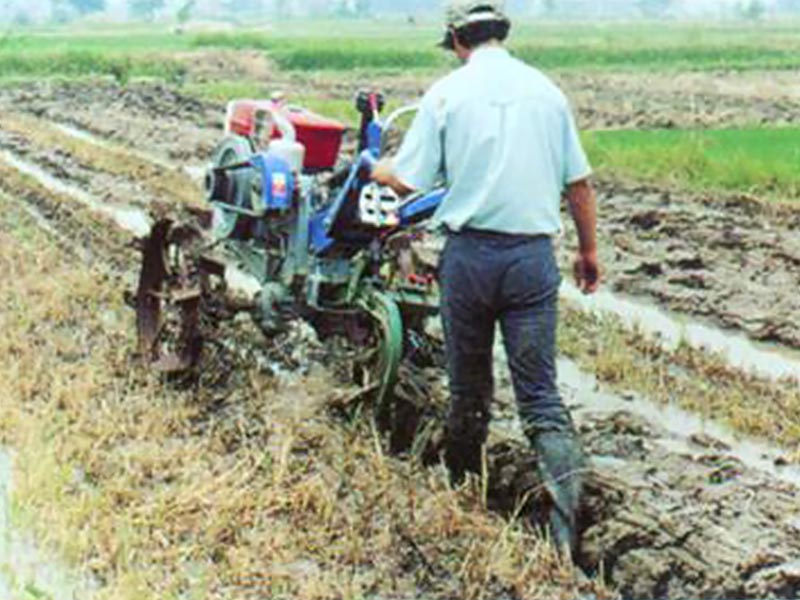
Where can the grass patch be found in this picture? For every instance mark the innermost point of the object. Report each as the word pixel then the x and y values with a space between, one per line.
pixel 118 55
pixel 158 180
pixel 396 47
pixel 687 58
pixel 628 360
pixel 224 91
pixel 240 489
pixel 330 54
pixel 82 63
pixel 619 47
pixel 761 162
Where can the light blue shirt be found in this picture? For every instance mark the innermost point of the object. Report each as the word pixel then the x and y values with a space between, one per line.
pixel 502 137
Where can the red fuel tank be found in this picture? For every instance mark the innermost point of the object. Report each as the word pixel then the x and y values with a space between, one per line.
pixel 321 136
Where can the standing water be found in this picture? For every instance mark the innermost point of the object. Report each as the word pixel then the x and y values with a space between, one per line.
pixel 739 351
pixel 130 218
pixel 25 572
pixel 196 173
pixel 587 400
pixel 582 390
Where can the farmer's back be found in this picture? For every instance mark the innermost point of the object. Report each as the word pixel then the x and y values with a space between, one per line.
pixel 508 143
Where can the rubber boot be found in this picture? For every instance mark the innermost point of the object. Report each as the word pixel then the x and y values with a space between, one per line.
pixel 465 433
pixel 561 465
pixel 462 458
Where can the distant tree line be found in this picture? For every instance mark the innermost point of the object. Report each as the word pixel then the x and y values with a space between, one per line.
pixel 23 12
pixel 745 9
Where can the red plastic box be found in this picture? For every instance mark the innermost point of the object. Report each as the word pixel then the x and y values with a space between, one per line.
pixel 321 137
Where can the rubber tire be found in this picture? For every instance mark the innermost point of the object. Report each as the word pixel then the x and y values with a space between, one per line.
pixel 232 150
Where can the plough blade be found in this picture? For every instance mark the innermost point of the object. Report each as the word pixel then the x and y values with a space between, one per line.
pixel 169 300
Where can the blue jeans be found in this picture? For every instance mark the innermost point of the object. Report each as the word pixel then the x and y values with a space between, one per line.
pixel 488 278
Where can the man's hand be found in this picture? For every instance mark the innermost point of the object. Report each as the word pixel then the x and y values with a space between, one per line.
pixel 583 206
pixel 587 272
pixel 383 174
pixel 383 171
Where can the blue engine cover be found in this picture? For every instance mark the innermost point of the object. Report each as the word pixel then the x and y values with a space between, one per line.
pixel 278 180
pixel 422 208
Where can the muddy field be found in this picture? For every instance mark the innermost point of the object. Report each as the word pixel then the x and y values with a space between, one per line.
pixel 730 260
pixel 684 100
pixel 672 511
pixel 179 127
pixel 733 261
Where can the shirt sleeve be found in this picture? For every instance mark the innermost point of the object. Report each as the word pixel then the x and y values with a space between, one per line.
pixel 576 165
pixel 419 162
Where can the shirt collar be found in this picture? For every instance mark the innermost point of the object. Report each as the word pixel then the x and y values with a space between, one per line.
pixel 488 53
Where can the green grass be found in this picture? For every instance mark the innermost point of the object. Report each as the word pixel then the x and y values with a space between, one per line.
pixel 223 91
pixel 761 162
pixel 118 55
pixel 619 46
pixel 79 63
pixel 700 58
pixel 393 47
pixel 331 54
pixel 115 40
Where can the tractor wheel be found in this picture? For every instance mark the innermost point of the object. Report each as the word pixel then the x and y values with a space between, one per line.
pixel 233 150
pixel 384 363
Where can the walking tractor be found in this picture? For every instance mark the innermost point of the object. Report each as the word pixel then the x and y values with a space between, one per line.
pixel 324 242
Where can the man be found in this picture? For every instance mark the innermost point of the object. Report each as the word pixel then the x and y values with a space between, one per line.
pixel 502 137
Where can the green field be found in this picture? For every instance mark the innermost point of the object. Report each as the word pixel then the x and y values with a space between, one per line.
pixel 398 47
pixel 762 162
pixel 264 475
pixel 548 47
pixel 756 161
pixel 122 56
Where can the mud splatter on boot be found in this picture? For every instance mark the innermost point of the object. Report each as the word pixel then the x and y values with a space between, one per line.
pixel 562 464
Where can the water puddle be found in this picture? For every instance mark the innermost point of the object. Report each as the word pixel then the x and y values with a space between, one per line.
pixel 196 173
pixel 739 351
pixel 582 390
pixel 129 218
pixel 25 572
pixel 88 136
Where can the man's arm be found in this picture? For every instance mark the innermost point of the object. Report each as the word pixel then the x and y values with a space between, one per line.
pixel 419 161
pixel 582 203
pixel 384 174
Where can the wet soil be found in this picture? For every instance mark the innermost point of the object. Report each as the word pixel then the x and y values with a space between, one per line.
pixel 127 216
pixel 735 262
pixel 670 511
pixel 141 115
pixel 689 523
pixel 639 100
pixel 666 523
pixel 731 261
pixel 667 516
pixel 173 125
pixel 683 100
pixel 105 188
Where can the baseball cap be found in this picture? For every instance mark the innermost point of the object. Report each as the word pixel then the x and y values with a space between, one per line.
pixel 460 13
